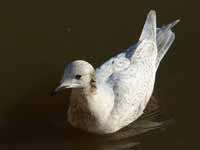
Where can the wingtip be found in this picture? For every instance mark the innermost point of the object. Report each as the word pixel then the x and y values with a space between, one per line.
pixel 151 14
pixel 149 29
pixel 152 11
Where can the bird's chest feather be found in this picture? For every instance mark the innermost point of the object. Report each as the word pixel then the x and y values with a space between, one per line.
pixel 90 111
pixel 79 113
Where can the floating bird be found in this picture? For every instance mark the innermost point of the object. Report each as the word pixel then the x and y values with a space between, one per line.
pixel 106 99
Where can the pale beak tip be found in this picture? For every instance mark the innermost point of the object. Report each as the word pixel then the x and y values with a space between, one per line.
pixel 59 88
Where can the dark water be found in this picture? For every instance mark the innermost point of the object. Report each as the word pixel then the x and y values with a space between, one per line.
pixel 38 37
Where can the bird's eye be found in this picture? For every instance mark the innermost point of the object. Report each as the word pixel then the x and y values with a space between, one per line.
pixel 78 76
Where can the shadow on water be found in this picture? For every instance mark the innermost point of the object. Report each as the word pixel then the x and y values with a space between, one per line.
pixel 31 125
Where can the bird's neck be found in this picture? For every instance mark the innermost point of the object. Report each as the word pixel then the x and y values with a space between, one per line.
pixel 92 87
pixel 92 101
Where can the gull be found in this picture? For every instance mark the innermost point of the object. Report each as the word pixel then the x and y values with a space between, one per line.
pixel 110 97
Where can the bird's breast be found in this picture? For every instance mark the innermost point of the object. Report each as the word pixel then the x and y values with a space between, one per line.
pixel 79 113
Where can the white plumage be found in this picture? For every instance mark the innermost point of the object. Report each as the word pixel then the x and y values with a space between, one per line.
pixel 115 94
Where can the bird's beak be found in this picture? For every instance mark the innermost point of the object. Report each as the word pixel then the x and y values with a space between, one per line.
pixel 59 88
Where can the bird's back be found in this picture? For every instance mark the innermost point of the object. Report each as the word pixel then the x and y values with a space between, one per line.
pixel 132 88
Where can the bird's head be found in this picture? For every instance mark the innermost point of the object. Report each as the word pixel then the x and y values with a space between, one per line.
pixel 77 74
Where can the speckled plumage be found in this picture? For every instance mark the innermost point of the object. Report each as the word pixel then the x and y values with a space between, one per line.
pixel 115 94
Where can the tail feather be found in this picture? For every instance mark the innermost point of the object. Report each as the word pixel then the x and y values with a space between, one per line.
pixel 164 40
